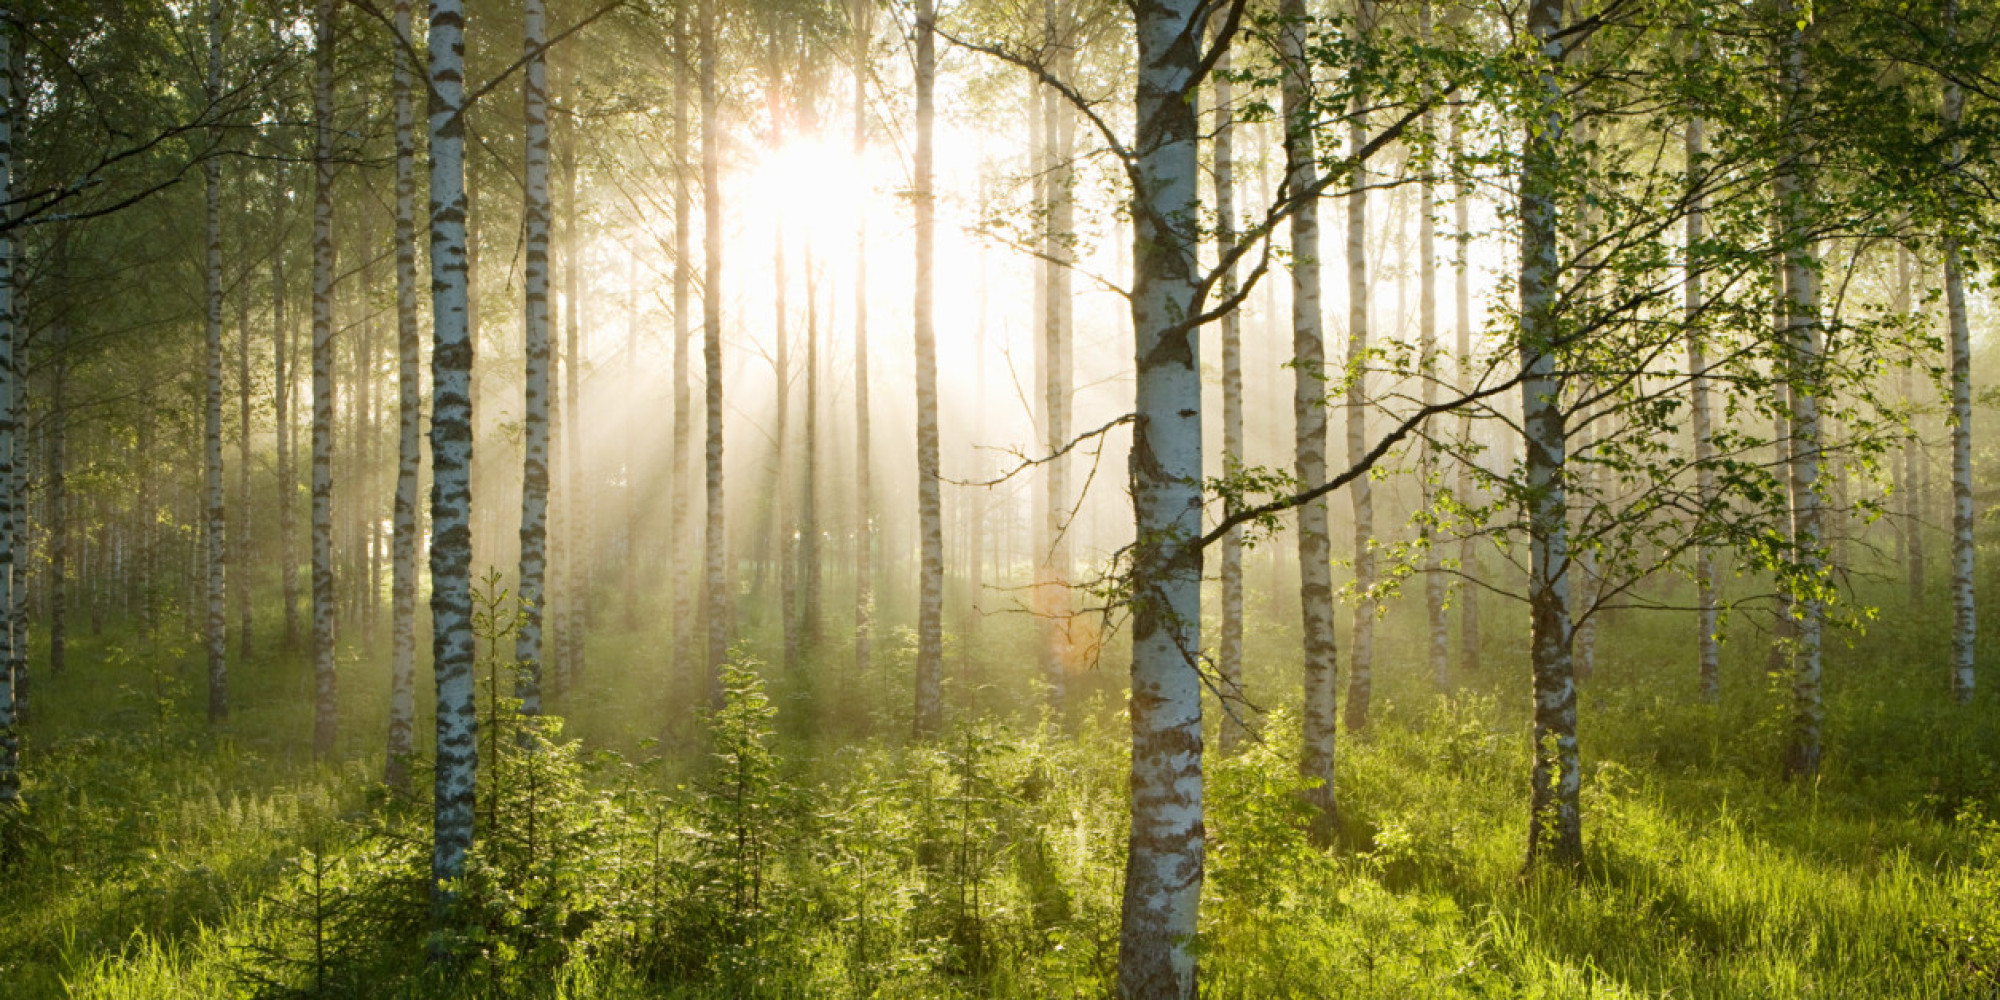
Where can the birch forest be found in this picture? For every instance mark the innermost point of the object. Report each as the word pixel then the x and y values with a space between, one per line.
pixel 1239 499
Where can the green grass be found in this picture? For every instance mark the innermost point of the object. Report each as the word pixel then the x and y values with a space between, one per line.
pixel 159 856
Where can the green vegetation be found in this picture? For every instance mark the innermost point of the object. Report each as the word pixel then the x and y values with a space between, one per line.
pixel 160 859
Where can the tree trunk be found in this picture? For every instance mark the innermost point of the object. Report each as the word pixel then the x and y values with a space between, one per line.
pixel 684 612
pixel 457 755
pixel 535 412
pixel 1468 546
pixel 1058 177
pixel 575 573
pixel 1319 714
pixel 1164 855
pixel 1229 654
pixel 215 531
pixel 1427 352
pixel 288 528
pixel 409 422
pixel 809 571
pixel 864 493
pixel 781 451
pixel 59 527
pixel 930 497
pixel 10 742
pixel 1555 824
pixel 1913 456
pixel 716 580
pixel 1361 670
pixel 326 707
pixel 1802 343
pixel 1964 631
pixel 1706 574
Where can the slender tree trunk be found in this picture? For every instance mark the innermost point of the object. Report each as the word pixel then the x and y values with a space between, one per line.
pixel 1706 574
pixel 930 497
pixel 288 529
pixel 781 451
pixel 809 570
pixel 1361 670
pixel 864 492
pixel 716 580
pixel 1229 658
pixel 1164 855
pixel 1801 300
pixel 10 579
pixel 1319 714
pixel 326 706
pixel 215 531
pixel 684 612
pixel 1912 457
pixel 457 759
pixel 1058 183
pixel 409 423
pixel 535 413
pixel 1468 546
pixel 59 502
pixel 575 553
pixel 1434 578
pixel 1555 824
pixel 1964 631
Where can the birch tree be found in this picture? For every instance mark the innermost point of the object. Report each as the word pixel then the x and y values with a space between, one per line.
pixel 1964 630
pixel 1229 654
pixel 864 498
pixel 1706 574
pixel 1318 717
pixel 930 498
pixel 326 710
pixel 10 740
pixel 215 531
pixel 457 755
pixel 1361 668
pixel 715 581
pixel 1164 854
pixel 409 421
pixel 535 411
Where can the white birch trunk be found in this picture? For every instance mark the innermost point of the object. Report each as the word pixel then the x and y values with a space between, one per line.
pixel 1555 827
pixel 1964 630
pixel 716 579
pixel 574 553
pixel 1468 546
pixel 10 742
pixel 535 411
pixel 283 362
pixel 1164 855
pixel 1706 574
pixel 1912 508
pixel 326 706
pixel 685 655
pixel 1801 303
pixel 1427 353
pixel 215 533
pixel 1320 712
pixel 409 422
pixel 1229 654
pixel 930 497
pixel 1361 672
pixel 864 493
pixel 457 755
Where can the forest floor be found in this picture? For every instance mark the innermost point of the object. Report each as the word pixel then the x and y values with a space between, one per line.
pixel 810 850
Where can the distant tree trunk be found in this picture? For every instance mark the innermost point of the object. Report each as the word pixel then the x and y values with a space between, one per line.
pixel 59 503
pixel 215 532
pixel 864 492
pixel 1319 720
pixel 1229 658
pixel 326 705
pixel 1555 824
pixel 1361 670
pixel 1913 455
pixel 1427 352
pixel 10 741
pixel 535 413
pixel 1964 632
pixel 409 423
pixel 1801 301
pixel 1058 181
pixel 575 572
pixel 684 612
pixel 1706 575
pixel 628 590
pixel 457 755
pixel 288 528
pixel 781 450
pixel 1164 853
pixel 809 569
pixel 930 497
pixel 240 578
pixel 1468 546
pixel 716 581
